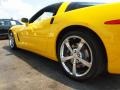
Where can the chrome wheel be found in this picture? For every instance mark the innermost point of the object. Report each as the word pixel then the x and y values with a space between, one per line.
pixel 11 40
pixel 76 56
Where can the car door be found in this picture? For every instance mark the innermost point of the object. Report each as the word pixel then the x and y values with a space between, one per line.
pixel 24 37
pixel 38 30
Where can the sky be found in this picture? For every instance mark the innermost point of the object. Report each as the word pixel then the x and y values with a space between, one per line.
pixel 26 8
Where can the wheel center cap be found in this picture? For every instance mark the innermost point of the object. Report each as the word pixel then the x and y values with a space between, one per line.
pixel 77 54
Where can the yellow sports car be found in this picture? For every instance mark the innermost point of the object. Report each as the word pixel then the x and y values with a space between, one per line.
pixel 84 37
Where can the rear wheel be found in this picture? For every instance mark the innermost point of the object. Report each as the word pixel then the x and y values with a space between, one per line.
pixel 80 55
pixel 12 43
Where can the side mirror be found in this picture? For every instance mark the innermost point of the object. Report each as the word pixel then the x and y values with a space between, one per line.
pixel 25 20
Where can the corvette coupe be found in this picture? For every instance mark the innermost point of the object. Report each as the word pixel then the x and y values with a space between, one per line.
pixel 84 37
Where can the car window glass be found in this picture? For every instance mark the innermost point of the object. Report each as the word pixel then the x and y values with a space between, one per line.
pixel 77 5
pixel 18 23
pixel 6 23
pixel 45 15
pixel 1 23
pixel 13 23
pixel 49 9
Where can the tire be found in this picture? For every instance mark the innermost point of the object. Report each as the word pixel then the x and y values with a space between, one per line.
pixel 12 43
pixel 80 55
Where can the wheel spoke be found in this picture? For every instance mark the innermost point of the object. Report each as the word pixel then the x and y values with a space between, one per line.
pixel 11 40
pixel 84 62
pixel 64 59
pixel 80 45
pixel 74 53
pixel 68 46
pixel 74 67
pixel 62 53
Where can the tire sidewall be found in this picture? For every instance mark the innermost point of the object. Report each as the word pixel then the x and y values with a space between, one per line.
pixel 94 47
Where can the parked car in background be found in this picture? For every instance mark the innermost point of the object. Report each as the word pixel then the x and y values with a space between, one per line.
pixel 5 25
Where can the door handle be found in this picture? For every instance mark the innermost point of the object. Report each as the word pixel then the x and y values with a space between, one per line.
pixel 52 20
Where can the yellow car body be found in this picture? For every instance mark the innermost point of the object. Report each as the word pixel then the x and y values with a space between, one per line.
pixel 41 36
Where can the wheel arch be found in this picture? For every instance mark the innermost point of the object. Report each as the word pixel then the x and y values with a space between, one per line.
pixel 14 33
pixel 9 31
pixel 85 30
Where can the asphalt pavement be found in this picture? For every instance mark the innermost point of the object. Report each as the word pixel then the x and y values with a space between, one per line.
pixel 23 70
